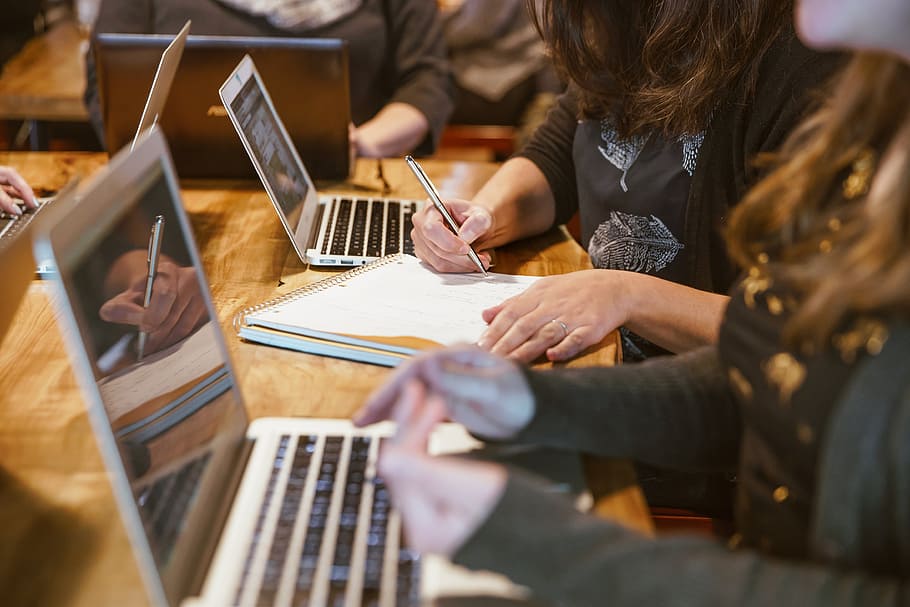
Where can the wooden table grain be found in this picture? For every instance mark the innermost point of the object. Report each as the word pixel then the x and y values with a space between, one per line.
pixel 45 80
pixel 62 541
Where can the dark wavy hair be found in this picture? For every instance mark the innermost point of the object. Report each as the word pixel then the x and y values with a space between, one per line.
pixel 659 64
pixel 843 255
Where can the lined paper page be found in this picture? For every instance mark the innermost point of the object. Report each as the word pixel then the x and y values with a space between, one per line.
pixel 403 298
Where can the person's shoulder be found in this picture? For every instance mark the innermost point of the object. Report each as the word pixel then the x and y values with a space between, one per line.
pixel 788 63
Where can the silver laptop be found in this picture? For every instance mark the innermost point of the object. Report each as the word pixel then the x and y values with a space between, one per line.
pixel 324 230
pixel 161 83
pixel 154 105
pixel 279 512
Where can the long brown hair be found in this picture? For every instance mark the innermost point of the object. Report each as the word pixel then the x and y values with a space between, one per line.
pixel 659 64
pixel 828 222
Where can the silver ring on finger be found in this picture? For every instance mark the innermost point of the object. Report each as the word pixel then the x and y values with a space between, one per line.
pixel 563 326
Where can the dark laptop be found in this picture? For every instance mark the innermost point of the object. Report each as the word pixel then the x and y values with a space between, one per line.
pixel 308 81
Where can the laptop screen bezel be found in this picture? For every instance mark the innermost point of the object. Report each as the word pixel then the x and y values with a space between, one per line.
pixel 65 229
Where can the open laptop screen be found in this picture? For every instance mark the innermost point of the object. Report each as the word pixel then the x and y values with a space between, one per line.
pixel 171 420
pixel 263 134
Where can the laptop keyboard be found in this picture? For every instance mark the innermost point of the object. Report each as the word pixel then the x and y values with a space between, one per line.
pixel 335 523
pixel 11 225
pixel 164 505
pixel 369 227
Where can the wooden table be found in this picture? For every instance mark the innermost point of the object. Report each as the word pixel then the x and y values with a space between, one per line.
pixel 45 80
pixel 62 541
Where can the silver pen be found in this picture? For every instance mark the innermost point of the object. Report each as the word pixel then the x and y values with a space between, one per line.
pixel 437 202
pixel 154 254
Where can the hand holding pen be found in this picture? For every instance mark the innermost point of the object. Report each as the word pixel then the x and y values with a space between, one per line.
pixel 443 211
pixel 154 256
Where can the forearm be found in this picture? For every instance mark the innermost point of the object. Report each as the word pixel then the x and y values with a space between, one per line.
pixel 397 129
pixel 539 540
pixel 675 412
pixel 673 316
pixel 520 202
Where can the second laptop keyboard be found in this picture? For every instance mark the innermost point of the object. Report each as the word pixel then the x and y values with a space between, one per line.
pixel 362 227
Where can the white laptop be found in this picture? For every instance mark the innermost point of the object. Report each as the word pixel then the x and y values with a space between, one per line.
pixel 10 225
pixel 324 231
pixel 279 512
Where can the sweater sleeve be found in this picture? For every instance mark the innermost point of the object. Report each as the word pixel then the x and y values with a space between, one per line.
pixel 421 65
pixel 676 412
pixel 551 150
pixel 539 540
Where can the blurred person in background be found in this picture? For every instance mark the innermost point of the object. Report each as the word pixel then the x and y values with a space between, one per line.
pixel 400 81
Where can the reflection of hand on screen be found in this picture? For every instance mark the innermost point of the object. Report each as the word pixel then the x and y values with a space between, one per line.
pixel 176 308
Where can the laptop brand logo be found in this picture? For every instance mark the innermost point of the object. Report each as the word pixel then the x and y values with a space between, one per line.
pixel 217 111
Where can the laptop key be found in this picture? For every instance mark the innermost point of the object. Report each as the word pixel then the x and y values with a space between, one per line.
pixel 284 528
pixel 340 231
pixel 393 229
pixel 406 230
pixel 358 228
pixel 374 236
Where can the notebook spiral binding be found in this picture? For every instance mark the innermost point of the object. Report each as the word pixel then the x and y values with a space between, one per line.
pixel 326 283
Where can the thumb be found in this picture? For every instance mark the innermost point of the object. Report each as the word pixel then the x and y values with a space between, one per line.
pixel 121 311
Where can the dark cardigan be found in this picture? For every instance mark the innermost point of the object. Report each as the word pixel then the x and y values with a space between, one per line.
pixel 860 526
pixel 788 78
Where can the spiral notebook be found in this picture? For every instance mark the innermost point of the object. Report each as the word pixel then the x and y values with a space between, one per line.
pixel 381 313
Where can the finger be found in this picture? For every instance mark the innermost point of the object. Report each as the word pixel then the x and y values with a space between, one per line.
pixel 7 204
pixel 122 310
pixel 12 178
pixel 490 314
pixel 474 226
pixel 379 405
pixel 420 414
pixel 573 345
pixel 441 500
pixel 443 262
pixel 187 320
pixel 184 313
pixel 513 311
pixel 164 296
pixel 429 226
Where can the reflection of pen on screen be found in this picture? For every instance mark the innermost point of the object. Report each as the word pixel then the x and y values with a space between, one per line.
pixel 154 253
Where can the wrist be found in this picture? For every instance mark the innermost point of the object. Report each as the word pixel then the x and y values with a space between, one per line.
pixel 624 291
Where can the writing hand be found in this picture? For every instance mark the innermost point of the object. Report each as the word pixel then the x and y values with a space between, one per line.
pixel 435 244
pixel 12 185
pixel 175 310
pixel 558 316
pixel 485 393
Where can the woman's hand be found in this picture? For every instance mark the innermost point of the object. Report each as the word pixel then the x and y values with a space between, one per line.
pixel 176 308
pixel 12 185
pixel 558 316
pixel 435 243
pixel 442 501
pixel 485 393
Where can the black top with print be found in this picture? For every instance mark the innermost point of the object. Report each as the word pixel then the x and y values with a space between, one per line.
pixel 786 399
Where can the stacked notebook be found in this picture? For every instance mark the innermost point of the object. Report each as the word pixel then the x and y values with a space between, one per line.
pixel 381 313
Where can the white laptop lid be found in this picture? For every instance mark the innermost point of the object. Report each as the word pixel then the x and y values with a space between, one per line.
pixel 176 414
pixel 273 154
pixel 161 84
